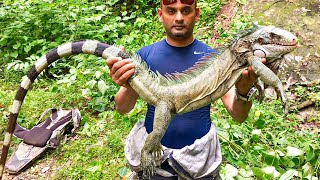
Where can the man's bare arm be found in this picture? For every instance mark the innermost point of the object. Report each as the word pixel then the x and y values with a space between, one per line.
pixel 120 72
pixel 125 99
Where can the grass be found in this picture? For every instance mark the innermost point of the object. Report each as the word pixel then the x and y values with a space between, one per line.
pixel 266 140
pixel 96 148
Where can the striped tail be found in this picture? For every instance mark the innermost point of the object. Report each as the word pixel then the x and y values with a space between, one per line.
pixel 97 48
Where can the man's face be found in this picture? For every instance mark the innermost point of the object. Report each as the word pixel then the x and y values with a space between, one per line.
pixel 178 19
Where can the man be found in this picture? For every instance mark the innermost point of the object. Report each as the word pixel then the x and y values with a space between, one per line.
pixel 190 131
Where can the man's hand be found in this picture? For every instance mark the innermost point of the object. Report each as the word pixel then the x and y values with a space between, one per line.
pixel 239 109
pixel 120 70
pixel 247 79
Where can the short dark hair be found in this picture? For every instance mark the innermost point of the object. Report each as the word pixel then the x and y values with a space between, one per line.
pixel 194 1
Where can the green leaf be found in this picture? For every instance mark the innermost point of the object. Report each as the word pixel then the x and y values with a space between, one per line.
pixel 245 173
pixel 241 164
pixel 124 13
pixel 94 168
pixel 291 164
pixel 10 65
pixel 86 130
pixel 53 89
pixel 258 172
pixel 307 169
pixel 231 171
pixel 122 171
pixel 293 152
pixel 91 83
pixel 256 131
pixel 258 147
pixel 224 136
pixel 280 153
pixel 259 123
pixel 99 105
pixel 16 46
pixel 270 158
pixel 271 171
pixel 102 87
pixel 16 66
pixel 14 54
pixel 310 154
pixel 97 74
pixel 289 174
pixel 27 48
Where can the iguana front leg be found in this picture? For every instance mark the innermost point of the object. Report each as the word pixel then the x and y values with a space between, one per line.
pixel 152 150
pixel 270 78
pixel 260 86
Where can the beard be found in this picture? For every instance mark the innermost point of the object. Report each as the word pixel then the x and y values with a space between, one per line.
pixel 187 31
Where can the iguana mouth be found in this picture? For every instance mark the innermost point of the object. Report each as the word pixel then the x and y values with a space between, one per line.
pixel 294 43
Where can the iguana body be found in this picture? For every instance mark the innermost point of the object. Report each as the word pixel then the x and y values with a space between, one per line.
pixel 178 93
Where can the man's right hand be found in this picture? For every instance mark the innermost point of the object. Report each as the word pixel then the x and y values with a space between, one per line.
pixel 120 70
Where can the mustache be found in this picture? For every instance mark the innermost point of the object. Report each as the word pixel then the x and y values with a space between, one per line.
pixel 179 25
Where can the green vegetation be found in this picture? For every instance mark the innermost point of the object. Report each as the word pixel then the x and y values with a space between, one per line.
pixel 266 146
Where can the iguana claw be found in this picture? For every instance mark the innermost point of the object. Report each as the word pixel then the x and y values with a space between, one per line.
pixel 150 159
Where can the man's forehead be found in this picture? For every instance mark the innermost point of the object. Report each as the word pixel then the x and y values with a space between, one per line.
pixel 169 2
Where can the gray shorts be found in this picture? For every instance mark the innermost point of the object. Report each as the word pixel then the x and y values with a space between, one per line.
pixel 199 160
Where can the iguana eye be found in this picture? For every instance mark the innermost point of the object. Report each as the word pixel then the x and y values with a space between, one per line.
pixel 260 40
pixel 274 36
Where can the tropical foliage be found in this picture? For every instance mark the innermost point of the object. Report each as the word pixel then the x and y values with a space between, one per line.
pixel 266 146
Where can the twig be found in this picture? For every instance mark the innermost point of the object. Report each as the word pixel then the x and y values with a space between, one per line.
pixel 303 105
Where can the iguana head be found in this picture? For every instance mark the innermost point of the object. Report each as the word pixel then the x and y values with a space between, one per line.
pixel 272 42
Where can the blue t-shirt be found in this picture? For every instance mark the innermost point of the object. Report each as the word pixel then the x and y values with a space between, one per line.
pixel 185 128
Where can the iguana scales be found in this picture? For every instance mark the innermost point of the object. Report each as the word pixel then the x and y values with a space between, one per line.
pixel 178 93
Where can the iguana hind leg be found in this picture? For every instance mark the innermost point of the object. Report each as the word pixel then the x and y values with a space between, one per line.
pixel 270 78
pixel 152 150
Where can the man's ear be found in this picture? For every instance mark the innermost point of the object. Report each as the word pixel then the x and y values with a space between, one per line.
pixel 197 13
pixel 160 15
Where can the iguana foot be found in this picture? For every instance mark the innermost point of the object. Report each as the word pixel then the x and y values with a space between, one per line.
pixel 284 100
pixel 150 159
pixel 260 86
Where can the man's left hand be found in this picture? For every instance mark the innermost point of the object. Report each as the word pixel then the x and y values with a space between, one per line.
pixel 247 79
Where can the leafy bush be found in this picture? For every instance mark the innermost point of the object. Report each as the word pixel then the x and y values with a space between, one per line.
pixel 31 28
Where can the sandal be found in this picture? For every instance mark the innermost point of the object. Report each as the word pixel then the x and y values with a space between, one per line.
pixel 46 134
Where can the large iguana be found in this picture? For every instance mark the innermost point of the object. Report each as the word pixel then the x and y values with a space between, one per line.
pixel 178 93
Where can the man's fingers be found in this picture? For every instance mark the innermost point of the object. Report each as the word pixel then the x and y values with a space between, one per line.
pixel 124 78
pixel 248 78
pixel 122 70
pixel 110 61
pixel 248 75
pixel 251 74
pixel 245 73
pixel 118 65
